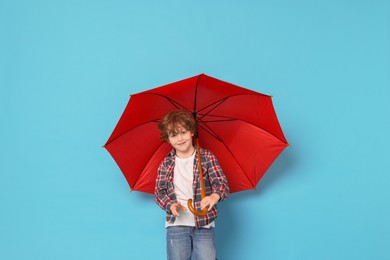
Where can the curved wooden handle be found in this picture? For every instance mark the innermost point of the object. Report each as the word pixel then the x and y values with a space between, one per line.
pixel 202 188
pixel 194 211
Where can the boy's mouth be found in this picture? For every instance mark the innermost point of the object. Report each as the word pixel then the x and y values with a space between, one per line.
pixel 181 143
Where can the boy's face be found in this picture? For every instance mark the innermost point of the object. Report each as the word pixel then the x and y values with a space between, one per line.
pixel 181 140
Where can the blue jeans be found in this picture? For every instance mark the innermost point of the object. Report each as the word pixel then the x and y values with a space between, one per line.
pixel 190 243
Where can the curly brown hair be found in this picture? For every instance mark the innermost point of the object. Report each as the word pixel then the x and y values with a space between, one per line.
pixel 173 121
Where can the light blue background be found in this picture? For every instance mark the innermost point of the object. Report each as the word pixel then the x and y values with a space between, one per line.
pixel 68 67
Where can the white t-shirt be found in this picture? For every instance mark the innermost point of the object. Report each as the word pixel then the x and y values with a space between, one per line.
pixel 183 177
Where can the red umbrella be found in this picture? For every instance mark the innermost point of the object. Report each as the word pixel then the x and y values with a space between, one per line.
pixel 238 125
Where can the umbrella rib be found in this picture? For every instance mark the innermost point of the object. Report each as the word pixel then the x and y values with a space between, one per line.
pixel 209 130
pixel 196 93
pixel 212 133
pixel 238 119
pixel 223 118
pixel 215 104
pixel 143 168
pixel 150 121
pixel 221 101
pixel 176 104
pixel 173 102
pixel 227 148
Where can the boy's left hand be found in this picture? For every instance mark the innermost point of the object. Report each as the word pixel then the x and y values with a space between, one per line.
pixel 209 201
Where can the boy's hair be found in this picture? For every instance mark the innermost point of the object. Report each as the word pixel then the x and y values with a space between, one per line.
pixel 173 121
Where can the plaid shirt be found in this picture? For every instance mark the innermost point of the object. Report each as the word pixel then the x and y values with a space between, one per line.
pixel 214 182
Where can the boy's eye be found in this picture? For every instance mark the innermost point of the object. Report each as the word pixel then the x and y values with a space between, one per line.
pixel 172 134
pixel 183 132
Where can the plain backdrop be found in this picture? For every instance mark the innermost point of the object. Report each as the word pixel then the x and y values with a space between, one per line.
pixel 67 69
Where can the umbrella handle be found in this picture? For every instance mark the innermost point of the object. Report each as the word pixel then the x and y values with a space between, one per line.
pixel 202 188
pixel 194 211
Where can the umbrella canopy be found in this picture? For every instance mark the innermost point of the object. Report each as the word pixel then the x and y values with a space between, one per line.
pixel 238 125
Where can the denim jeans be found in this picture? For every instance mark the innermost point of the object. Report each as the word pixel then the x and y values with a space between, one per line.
pixel 190 243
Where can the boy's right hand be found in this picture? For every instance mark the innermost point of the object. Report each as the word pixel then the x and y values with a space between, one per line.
pixel 176 208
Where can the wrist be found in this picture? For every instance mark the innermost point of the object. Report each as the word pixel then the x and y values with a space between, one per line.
pixel 215 197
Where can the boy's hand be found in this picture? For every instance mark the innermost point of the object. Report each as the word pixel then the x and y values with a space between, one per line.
pixel 176 208
pixel 209 201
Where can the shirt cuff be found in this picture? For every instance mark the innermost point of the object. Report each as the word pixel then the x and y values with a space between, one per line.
pixel 168 207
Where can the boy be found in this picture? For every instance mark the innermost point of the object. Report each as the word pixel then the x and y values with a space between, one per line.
pixel 188 236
